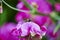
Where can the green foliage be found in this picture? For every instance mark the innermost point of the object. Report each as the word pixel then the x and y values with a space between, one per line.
pixel 52 1
pixel 57 28
pixel 55 15
pixel 26 4
pixel 3 17
pixel 44 38
pixel 8 14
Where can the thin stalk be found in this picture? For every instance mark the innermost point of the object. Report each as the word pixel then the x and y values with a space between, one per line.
pixel 27 5
pixel 13 7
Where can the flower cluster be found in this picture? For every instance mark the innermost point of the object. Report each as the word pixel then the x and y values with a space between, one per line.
pixel 33 23
pixel 11 31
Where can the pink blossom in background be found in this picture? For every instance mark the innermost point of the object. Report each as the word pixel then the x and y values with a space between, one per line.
pixel 5 32
pixel 58 35
pixel 21 15
pixel 40 20
pixel 21 5
pixel 43 6
pixel 57 7
pixel 50 29
pixel 49 33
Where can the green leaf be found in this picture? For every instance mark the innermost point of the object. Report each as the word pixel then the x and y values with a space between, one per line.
pixel 57 28
pixel 3 17
pixel 55 15
pixel 8 14
pixel 44 38
pixel 12 2
pixel 58 1
pixel 52 1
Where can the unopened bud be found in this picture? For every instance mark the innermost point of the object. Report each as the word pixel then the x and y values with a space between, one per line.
pixel 1 9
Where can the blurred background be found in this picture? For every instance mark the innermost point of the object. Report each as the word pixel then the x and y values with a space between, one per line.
pixel 8 15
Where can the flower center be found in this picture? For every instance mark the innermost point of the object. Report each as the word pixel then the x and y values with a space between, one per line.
pixel 33 34
pixel 34 4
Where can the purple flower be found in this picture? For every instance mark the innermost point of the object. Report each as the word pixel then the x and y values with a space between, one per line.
pixel 58 35
pixel 57 7
pixel 50 29
pixel 40 20
pixel 5 32
pixel 43 6
pixel 49 33
pixel 21 15
pixel 30 28
pixel 20 5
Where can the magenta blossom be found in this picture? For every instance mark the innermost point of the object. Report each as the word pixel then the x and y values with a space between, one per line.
pixel 5 32
pixel 21 15
pixel 57 7
pixel 30 28
pixel 51 28
pixel 21 5
pixel 43 6
pixel 40 20
pixel 50 35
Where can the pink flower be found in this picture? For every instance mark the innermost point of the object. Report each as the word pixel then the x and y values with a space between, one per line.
pixel 30 28
pixel 51 28
pixel 49 33
pixel 43 6
pixel 21 5
pixel 21 15
pixel 57 7
pixel 5 32
pixel 40 20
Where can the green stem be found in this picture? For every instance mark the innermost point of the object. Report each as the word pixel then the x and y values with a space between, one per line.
pixel 27 5
pixel 57 28
pixel 19 9
pixel 13 7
